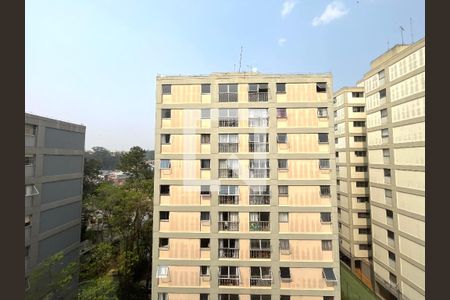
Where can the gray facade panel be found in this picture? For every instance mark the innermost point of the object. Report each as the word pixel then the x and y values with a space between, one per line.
pixel 63 139
pixel 62 164
pixel 58 242
pixel 59 216
pixel 59 190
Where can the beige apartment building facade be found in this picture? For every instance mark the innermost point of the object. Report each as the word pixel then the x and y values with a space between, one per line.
pixel 353 181
pixel 395 97
pixel 245 195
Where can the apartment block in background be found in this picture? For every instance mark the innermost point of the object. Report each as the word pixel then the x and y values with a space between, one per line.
pixel 54 160
pixel 395 97
pixel 353 181
pixel 245 195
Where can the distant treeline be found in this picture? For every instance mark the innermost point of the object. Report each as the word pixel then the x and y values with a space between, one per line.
pixel 109 160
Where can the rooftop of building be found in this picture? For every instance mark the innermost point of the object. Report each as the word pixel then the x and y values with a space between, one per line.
pixel 244 74
pixel 349 89
pixel 38 118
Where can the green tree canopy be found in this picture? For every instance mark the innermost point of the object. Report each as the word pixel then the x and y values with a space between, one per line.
pixel 134 163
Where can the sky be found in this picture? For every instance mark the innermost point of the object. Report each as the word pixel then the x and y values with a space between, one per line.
pixel 94 62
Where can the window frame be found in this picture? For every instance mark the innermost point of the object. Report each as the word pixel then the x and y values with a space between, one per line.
pixel 327 245
pixel 202 161
pixel 165 166
pixel 324 219
pixel 323 134
pixel 203 85
pixel 166 91
pixel 203 138
pixel 281 88
pixel 204 116
pixel 283 164
pixel 164 139
pixel 321 87
pixel 282 140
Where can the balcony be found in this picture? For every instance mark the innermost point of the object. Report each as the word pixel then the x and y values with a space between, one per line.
pixel 228 97
pixel 258 122
pixel 228 173
pixel 228 199
pixel 259 225
pixel 258 281
pixel 228 122
pixel 27 233
pixel 228 225
pixel 260 253
pixel 258 96
pixel 228 252
pixel 259 199
pixel 228 147
pixel 229 280
pixel 259 173
pixel 258 147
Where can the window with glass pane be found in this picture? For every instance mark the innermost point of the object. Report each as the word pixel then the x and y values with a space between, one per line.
pixel 326 245
pixel 30 129
pixel 259 221
pixel 358 108
pixel 284 245
pixel 285 273
pixel 204 215
pixel 258 92
pixel 361 153
pixel 323 138
pixel 205 164
pixel 228 143
pixel 282 138
pixel 322 112
pixel 386 153
pixel 281 113
pixel 362 199
pixel 387 172
pixel 281 88
pixel 325 190
pixel 357 94
pixel 204 296
pixel 228 168
pixel 382 93
pixel 359 138
pixel 258 117
pixel 164 189
pixel 204 243
pixel 384 113
pixel 388 193
pixel 361 168
pixel 259 195
pixel 259 168
pixel 324 163
pixel 205 190
pixel 165 164
pixel 283 164
pixel 165 139
pixel 325 217
pixel 229 194
pixel 164 216
pixel 258 142
pixel 359 123
pixel 384 132
pixel 283 217
pixel 205 138
pixel 206 88
pixel 362 184
pixel 166 113
pixel 166 89
pixel 283 190
pixel 321 87
pixel 228 92
pixel 162 272
pixel 164 243
pixel 228 117
pixel 205 113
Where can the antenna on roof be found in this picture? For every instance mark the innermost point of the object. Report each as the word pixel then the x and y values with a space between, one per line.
pixel 240 59
pixel 388 44
pixel 401 32
pixel 411 27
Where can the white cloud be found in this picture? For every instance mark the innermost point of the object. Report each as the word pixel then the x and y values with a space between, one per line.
pixel 288 6
pixel 333 11
pixel 281 42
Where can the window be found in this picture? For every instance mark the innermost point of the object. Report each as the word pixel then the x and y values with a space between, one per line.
pixel 164 243
pixel 282 164
pixel 164 216
pixel 387 172
pixel 382 93
pixel 29 160
pixel 388 193
pixel 258 92
pixel 205 113
pixel 163 296
pixel 324 164
pixel 358 108
pixel 325 191
pixel 357 94
pixel 164 189
pixel 228 117
pixel 327 245
pixel 365 247
pixel 338 182
pixel 205 138
pixel 364 230
pixel 285 274
pixel 229 194
pixel 359 124
pixel 392 278
pixel 166 113
pixel 31 190
pixel 325 217
pixel 228 92
pixel 228 297
pixel 165 164
pixel 281 113
pixel 259 168
pixel 284 245
pixel 260 297
pixel 282 138
pixel 228 168
pixel 359 138
pixel 205 190
pixel 204 296
pixel 322 112
pixel 362 199
pixel 258 117
pixel 384 132
pixel 363 215
pixel 390 235
pixel 362 184
pixel 384 113
pixel 389 214
pixel 328 297
pixel 386 153
pixel 337 154
pixel 328 274
pixel 162 272
pixel 166 89
pixel 258 142
pixel 30 129
pixel 206 88
pixel 259 221
pixel 321 87
pixel 283 217
pixel 205 164
pixel 281 88
pixel 204 243
pixel 336 140
pixel 361 153
pixel 361 168
pixel 323 138
pixel 27 220
pixel 204 270
pixel 228 143
pixel 285 297
pixel 283 190
pixel 381 77
pixel 165 139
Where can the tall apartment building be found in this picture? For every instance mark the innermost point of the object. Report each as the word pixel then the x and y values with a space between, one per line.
pixel 353 181
pixel 54 152
pixel 245 195
pixel 395 95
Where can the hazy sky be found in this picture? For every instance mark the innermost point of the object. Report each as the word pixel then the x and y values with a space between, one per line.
pixel 94 62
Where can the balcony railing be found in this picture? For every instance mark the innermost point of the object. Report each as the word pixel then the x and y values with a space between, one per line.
pixel 228 147
pixel 228 225
pixel 258 122
pixel 229 280
pixel 228 173
pixel 259 199
pixel 258 281
pixel 228 122
pixel 260 253
pixel 258 96
pixel 259 173
pixel 228 97
pixel 259 225
pixel 228 252
pixel 258 147
pixel 226 199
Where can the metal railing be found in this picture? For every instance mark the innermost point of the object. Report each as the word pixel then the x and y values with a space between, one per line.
pixel 259 199
pixel 228 225
pixel 258 96
pixel 228 252
pixel 229 280
pixel 260 253
pixel 259 225
pixel 258 122
pixel 228 122
pixel 258 281
pixel 227 199
pixel 259 173
pixel 258 147
pixel 228 173
pixel 228 147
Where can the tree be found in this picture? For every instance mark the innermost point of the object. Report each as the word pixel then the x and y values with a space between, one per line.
pixel 101 288
pixel 98 261
pixel 134 164
pixel 108 160
pixel 91 181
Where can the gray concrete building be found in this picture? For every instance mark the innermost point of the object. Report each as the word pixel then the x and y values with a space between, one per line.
pixel 245 188
pixel 54 160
